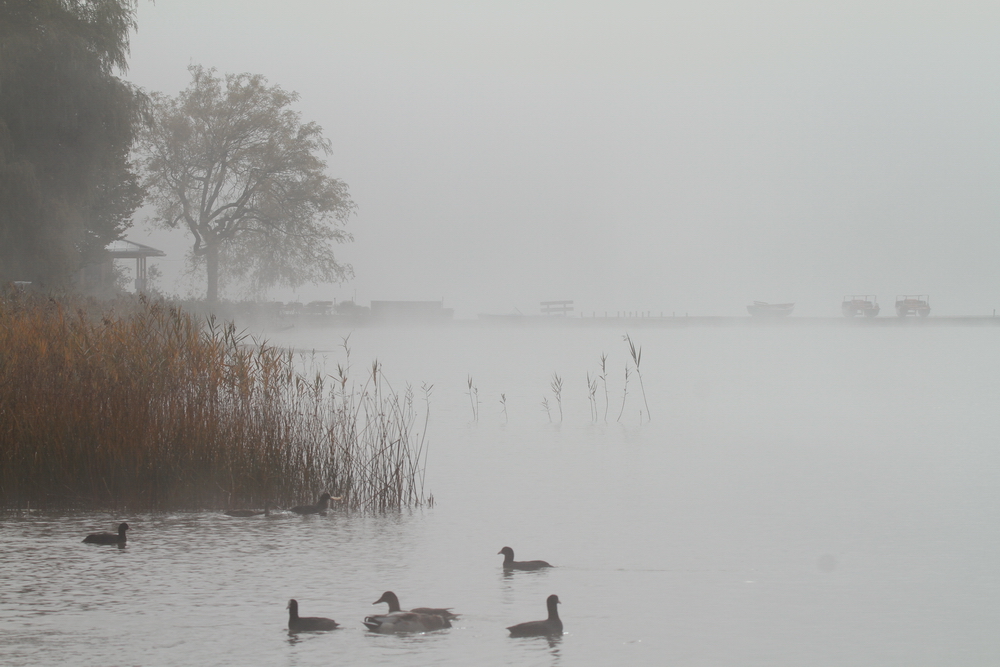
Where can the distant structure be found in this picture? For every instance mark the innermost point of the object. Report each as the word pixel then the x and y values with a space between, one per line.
pixel 102 275
pixel 859 304
pixel 913 304
pixel 562 308
pixel 410 311
pixel 125 249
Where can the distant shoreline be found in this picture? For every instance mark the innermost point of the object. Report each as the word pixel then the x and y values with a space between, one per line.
pixel 744 320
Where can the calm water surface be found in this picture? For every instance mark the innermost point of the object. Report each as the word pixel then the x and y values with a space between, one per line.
pixel 800 495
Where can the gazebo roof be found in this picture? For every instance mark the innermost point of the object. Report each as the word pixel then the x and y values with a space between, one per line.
pixel 125 249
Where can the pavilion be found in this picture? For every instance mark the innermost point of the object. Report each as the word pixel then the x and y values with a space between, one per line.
pixel 125 249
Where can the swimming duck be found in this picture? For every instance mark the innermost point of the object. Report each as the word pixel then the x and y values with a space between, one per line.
pixel 550 626
pixel 298 623
pixel 247 513
pixel 510 564
pixel 405 621
pixel 390 598
pixel 318 508
pixel 108 538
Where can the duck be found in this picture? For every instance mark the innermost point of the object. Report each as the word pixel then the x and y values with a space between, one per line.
pixel 298 623
pixel 390 598
pixel 248 513
pixel 108 538
pixel 550 626
pixel 319 508
pixel 405 621
pixel 510 564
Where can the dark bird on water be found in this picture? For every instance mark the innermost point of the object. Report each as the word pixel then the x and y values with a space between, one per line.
pixel 318 508
pixel 390 598
pixel 108 538
pixel 298 623
pixel 550 626
pixel 510 564
pixel 248 513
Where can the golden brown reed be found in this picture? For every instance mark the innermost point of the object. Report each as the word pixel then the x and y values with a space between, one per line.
pixel 140 406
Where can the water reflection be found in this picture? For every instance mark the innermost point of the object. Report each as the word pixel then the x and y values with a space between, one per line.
pixel 553 644
pixel 510 574
pixel 295 637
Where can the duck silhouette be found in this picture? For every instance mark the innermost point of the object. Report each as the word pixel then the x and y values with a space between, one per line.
pixel 510 564
pixel 405 621
pixel 319 508
pixel 550 626
pixel 390 598
pixel 298 623
pixel 108 538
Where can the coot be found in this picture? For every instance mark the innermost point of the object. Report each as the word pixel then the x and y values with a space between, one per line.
pixel 550 626
pixel 510 564
pixel 318 508
pixel 297 623
pixel 108 538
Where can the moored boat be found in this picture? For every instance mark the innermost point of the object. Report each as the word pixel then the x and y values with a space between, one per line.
pixel 860 304
pixel 913 304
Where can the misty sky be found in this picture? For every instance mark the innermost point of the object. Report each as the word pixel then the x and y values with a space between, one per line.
pixel 684 157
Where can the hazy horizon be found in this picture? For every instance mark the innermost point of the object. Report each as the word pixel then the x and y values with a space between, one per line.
pixel 663 158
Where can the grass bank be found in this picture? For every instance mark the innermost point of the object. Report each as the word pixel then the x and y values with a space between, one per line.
pixel 139 404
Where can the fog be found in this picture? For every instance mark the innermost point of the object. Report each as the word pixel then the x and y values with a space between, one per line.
pixel 662 157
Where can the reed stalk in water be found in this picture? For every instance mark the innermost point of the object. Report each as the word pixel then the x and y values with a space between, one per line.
pixel 556 385
pixel 592 397
pixel 624 392
pixel 473 393
pixel 636 359
pixel 604 380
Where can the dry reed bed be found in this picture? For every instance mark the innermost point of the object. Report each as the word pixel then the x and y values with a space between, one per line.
pixel 148 409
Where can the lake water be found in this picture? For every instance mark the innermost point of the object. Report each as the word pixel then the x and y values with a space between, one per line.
pixel 796 495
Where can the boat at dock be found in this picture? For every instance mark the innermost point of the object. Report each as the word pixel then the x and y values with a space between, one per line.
pixel 860 304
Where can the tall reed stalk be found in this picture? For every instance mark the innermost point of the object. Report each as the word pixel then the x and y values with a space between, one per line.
pixel 624 392
pixel 556 385
pixel 636 359
pixel 473 393
pixel 604 380
pixel 139 405
pixel 592 396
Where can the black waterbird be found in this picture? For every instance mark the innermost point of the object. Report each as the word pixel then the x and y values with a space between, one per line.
pixel 550 626
pixel 298 623
pixel 108 538
pixel 510 564
pixel 319 508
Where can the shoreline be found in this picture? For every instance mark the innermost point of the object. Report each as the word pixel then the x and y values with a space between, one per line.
pixel 484 320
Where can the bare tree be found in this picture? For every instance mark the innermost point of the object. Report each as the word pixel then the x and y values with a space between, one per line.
pixel 231 161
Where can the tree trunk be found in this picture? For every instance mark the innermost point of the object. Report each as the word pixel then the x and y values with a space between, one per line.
pixel 212 269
